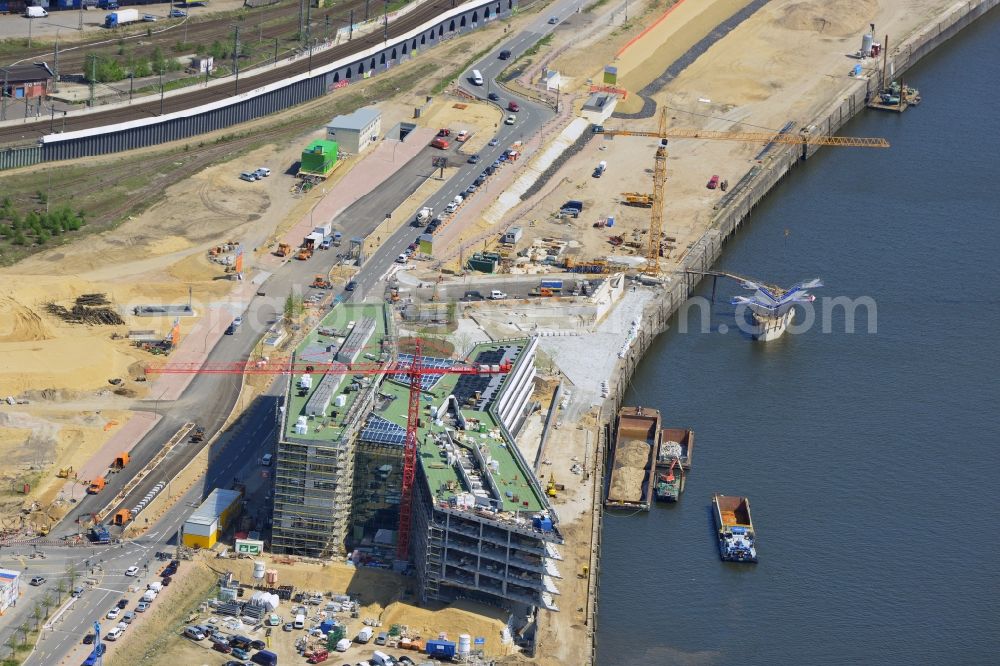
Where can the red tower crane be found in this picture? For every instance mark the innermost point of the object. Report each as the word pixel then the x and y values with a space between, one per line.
pixel 413 370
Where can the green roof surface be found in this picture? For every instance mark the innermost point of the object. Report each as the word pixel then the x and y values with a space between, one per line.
pixel 510 477
pixel 329 429
pixel 444 480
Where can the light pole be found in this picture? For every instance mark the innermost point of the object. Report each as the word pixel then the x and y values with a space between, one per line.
pixel 161 91
pixel 30 21
pixel 55 65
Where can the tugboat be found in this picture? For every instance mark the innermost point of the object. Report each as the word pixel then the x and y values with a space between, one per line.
pixel 735 529
pixel 669 486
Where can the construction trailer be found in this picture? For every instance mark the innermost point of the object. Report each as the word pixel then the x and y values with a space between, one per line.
pixel 203 527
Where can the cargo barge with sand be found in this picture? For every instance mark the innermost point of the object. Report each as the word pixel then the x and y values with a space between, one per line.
pixel 633 459
pixel 735 528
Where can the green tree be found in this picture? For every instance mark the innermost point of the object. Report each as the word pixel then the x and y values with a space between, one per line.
pixel 11 644
pixel 37 614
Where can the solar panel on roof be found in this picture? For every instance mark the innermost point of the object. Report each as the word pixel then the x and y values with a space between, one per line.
pixel 382 431
pixel 426 381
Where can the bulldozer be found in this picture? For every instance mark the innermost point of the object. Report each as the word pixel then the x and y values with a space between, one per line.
pixel 320 282
pixel 65 472
pixel 284 249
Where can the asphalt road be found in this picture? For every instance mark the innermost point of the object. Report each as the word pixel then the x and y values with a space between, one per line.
pixel 210 398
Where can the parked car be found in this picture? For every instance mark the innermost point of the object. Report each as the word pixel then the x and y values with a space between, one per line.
pixel 472 296
pixel 194 633
pixel 249 176
pixel 122 604
pixel 128 617
pixel 178 13
pixel 713 182
pixel 37 581
pixel 258 644
pixel 240 653
pixel 166 580
pixel 88 639
pixel 142 607
pixel 263 172
pixel 113 635
pixel 113 613
pixel 221 646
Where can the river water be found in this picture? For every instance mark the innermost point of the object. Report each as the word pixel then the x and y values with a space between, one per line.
pixel 871 459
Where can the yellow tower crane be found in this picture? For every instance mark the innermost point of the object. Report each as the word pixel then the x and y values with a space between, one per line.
pixel 660 162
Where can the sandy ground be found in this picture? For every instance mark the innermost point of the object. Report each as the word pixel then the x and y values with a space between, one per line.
pixel 379 592
pixel 156 257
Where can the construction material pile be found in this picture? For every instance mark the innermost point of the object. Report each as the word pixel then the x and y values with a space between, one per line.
pixel 88 309
pixel 629 471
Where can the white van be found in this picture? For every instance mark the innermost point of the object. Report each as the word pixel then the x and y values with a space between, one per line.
pixel 300 621
pixel 476 77
pixel 114 634
pixel 381 659
pixel 149 596
pixel 35 12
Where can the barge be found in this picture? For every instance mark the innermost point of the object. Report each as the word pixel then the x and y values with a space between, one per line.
pixel 670 440
pixel 672 460
pixel 633 459
pixel 735 528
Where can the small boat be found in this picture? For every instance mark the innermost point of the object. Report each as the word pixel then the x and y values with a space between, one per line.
pixel 670 485
pixel 735 529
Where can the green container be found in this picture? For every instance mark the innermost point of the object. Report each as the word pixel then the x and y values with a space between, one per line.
pixel 319 157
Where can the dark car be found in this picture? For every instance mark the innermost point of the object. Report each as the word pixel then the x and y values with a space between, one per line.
pixel 351 286
pixel 258 644
pixel 473 296
pixel 505 54
pixel 123 603
pixel 166 581
pixel 88 639
pixel 222 647
pixel 597 129
pixel 494 97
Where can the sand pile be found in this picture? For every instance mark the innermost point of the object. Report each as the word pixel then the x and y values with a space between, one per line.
pixel 830 18
pixel 629 471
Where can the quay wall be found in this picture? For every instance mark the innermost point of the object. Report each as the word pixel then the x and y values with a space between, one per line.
pixel 733 212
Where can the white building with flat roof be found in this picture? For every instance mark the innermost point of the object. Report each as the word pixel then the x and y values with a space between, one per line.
pixel 355 131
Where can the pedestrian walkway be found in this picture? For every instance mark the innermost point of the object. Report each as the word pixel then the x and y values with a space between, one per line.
pixel 365 176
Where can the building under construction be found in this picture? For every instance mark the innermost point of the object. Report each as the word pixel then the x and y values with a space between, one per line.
pixel 482 526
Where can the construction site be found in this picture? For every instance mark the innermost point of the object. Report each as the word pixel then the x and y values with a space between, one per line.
pixel 377 389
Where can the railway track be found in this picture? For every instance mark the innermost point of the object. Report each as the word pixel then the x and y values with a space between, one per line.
pixel 265 23
pixel 28 132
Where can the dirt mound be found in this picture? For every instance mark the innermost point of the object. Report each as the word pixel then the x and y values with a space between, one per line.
pixel 19 324
pixel 831 18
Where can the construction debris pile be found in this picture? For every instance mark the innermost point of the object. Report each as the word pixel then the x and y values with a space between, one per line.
pixel 88 309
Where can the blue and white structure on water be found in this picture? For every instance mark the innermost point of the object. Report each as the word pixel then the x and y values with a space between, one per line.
pixel 773 308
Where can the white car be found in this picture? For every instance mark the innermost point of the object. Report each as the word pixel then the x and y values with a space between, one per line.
pixel 263 172
pixel 510 120
pixel 401 259
pixel 113 614
pixel 132 571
